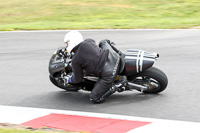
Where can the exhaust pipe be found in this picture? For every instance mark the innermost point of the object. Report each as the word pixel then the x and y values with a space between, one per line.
pixel 138 87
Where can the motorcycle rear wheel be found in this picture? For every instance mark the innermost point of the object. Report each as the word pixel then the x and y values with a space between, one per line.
pixel 153 78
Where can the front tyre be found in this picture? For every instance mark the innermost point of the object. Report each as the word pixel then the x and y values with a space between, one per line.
pixel 60 84
pixel 153 78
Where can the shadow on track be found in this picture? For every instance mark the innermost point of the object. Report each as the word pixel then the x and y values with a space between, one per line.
pixel 124 102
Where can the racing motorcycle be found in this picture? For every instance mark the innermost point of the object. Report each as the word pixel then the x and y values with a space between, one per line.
pixel 137 73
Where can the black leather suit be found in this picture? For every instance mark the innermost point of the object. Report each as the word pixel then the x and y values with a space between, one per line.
pixel 101 61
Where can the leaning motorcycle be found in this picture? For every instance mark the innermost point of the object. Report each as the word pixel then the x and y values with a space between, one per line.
pixel 138 71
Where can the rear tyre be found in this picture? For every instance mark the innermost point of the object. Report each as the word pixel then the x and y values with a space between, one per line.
pixel 153 78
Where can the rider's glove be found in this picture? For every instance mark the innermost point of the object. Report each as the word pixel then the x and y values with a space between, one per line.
pixel 69 78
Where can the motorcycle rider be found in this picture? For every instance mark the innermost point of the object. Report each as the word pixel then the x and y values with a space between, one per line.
pixel 102 61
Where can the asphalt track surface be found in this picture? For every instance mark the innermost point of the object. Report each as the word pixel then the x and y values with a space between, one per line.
pixel 24 81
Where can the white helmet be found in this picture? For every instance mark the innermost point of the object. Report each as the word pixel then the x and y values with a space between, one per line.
pixel 72 39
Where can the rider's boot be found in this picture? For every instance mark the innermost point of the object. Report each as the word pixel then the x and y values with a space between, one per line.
pixel 119 86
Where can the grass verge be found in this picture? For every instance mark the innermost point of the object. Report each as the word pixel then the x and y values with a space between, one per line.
pixel 27 131
pixel 98 14
pixel 13 128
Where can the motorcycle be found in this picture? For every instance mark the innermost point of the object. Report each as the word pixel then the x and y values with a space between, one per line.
pixel 138 72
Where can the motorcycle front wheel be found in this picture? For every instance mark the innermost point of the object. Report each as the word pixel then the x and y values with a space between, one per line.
pixel 153 78
pixel 61 85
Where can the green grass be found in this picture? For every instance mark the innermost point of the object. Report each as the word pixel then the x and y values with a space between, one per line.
pixel 3 130
pixel 98 14
pixel 25 131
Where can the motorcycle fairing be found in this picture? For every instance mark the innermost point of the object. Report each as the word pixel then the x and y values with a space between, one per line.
pixel 56 64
